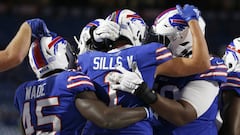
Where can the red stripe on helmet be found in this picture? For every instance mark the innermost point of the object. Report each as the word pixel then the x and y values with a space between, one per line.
pixel 54 41
pixel 117 13
pixel 133 16
pixel 39 59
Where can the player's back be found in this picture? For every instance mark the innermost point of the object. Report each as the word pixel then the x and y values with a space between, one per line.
pixel 97 66
pixel 171 88
pixel 48 105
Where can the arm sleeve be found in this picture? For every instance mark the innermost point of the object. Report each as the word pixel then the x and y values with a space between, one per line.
pixel 79 82
pixel 200 94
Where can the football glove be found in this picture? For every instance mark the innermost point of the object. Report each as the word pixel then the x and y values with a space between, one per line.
pixel 132 82
pixel 188 12
pixel 39 28
pixel 126 81
pixel 106 30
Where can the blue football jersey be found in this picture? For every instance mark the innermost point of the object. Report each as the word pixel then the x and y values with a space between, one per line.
pixel 97 66
pixel 48 105
pixel 171 87
pixel 233 82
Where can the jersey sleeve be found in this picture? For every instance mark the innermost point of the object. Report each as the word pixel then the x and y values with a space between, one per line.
pixel 79 82
pixel 233 82
pixel 154 53
pixel 217 71
pixel 162 53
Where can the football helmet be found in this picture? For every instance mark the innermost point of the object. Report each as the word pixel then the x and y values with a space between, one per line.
pixel 171 25
pixel 105 35
pixel 50 53
pixel 232 56
pixel 84 42
pixel 132 26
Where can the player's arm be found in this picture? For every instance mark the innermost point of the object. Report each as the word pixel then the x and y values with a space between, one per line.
pixel 230 113
pixel 17 49
pixel 21 127
pixel 107 117
pixel 196 98
pixel 200 57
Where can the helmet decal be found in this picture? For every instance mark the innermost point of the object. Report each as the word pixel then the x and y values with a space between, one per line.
pixel 38 56
pixel 54 41
pixel 177 21
pixel 93 23
pixel 171 25
pixel 136 17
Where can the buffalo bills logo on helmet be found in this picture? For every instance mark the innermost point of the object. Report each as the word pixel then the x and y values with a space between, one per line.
pixel 55 42
pixel 178 22
pixel 135 17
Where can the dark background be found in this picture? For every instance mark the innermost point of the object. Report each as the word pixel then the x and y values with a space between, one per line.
pixel 68 17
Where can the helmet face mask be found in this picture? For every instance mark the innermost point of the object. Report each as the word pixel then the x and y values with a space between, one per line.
pixel 49 54
pixel 180 38
pixel 132 26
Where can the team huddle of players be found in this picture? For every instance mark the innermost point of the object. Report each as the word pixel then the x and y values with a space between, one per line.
pixel 115 81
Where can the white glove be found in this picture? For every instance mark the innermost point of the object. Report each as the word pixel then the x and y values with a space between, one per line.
pixel 106 30
pixel 126 80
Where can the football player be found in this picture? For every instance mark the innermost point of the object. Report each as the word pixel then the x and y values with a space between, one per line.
pixel 230 101
pixel 152 59
pixel 185 105
pixel 60 101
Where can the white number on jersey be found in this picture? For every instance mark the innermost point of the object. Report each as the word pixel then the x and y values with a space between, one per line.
pixel 41 118
pixel 112 93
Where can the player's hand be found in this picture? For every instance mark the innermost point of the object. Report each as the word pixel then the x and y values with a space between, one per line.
pixel 132 82
pixel 39 28
pixel 106 30
pixel 188 12
pixel 126 81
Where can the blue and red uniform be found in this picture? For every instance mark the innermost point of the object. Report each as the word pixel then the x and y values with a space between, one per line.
pixel 171 88
pixel 97 66
pixel 48 105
